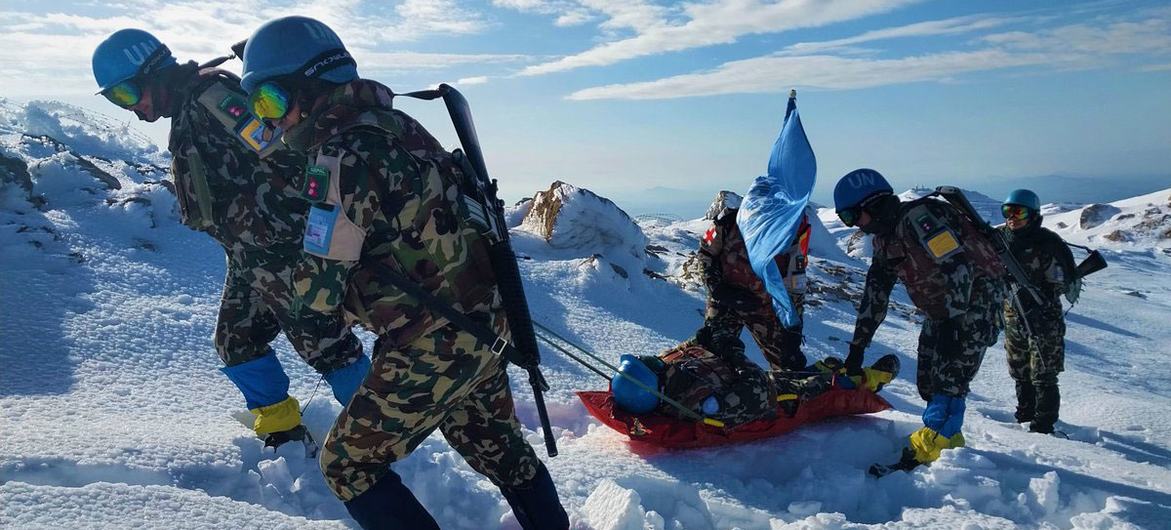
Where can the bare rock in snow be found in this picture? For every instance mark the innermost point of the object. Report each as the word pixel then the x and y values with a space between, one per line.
pixel 568 217
pixel 724 199
pixel 1096 214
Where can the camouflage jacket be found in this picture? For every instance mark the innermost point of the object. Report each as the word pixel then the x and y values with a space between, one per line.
pixel 1046 259
pixel 937 253
pixel 724 258
pixel 743 391
pixel 224 188
pixel 394 185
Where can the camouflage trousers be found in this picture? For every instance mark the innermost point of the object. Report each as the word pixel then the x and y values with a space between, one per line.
pixel 444 380
pixel 257 304
pixel 693 375
pixel 781 347
pixel 950 356
pixel 1039 356
pixel 804 388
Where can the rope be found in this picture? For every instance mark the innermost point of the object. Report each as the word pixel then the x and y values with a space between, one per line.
pixel 312 394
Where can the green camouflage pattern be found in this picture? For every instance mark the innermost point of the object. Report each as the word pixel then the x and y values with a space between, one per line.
pixel 257 304
pixel 444 380
pixel 257 215
pixel 947 364
pixel 1034 333
pixel 960 293
pixel 692 374
pixel 941 288
pixel 400 186
pixel 724 260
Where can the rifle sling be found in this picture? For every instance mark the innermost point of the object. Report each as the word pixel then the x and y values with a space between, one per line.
pixel 499 345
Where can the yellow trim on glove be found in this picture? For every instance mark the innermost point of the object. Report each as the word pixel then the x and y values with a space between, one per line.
pixel 928 444
pixel 875 378
pixel 278 417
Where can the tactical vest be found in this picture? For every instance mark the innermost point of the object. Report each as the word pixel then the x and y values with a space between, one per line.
pixel 742 391
pixel 331 234
pixel 928 233
pixel 228 106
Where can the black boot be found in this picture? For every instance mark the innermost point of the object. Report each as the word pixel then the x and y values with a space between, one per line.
pixel 1026 401
pixel 535 503
pixel 1048 406
pixel 792 357
pixel 389 505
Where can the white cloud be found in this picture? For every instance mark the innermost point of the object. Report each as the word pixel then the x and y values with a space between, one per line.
pixel 1074 46
pixel 658 30
pixel 781 72
pixel 398 61
pixel 50 49
pixel 478 80
pixel 950 26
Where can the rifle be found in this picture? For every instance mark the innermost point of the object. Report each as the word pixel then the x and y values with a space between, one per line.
pixel 956 197
pixel 487 211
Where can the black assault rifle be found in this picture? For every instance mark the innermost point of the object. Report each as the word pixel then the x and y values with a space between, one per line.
pixel 955 197
pixel 486 210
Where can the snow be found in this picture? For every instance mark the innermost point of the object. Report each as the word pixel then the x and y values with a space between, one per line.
pixel 113 412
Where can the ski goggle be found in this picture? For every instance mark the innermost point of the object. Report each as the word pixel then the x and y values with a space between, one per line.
pixel 269 101
pixel 125 94
pixel 850 216
pixel 1012 211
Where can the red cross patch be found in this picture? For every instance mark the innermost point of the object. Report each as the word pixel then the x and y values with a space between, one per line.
pixel 709 236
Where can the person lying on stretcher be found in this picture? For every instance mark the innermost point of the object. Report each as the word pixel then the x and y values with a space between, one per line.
pixel 716 380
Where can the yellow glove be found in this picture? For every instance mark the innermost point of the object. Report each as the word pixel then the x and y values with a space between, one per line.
pixel 876 379
pixel 928 444
pixel 277 417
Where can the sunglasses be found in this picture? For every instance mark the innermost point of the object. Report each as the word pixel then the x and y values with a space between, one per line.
pixel 269 101
pixel 1012 211
pixel 125 94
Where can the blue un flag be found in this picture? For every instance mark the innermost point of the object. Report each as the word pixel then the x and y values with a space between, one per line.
pixel 774 207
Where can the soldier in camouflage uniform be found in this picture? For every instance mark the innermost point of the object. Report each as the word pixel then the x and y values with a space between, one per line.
pixel 737 297
pixel 710 376
pixel 226 189
pixel 1034 331
pixel 387 202
pixel 952 274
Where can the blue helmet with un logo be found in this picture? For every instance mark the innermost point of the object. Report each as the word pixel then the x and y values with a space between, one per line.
pixel 128 53
pixel 857 186
pixel 296 46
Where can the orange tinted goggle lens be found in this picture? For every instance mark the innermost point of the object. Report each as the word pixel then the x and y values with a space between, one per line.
pixel 124 94
pixel 269 102
pixel 1019 213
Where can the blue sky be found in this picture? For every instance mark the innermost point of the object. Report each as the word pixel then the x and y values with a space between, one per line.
pixel 625 96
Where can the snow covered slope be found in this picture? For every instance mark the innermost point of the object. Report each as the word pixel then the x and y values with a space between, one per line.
pixel 113 412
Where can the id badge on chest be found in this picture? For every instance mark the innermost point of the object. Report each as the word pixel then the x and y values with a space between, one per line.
pixel 319 228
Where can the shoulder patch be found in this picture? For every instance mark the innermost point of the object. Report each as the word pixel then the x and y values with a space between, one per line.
pixel 942 244
pixel 316 186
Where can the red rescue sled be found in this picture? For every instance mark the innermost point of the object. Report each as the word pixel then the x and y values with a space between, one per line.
pixel 673 433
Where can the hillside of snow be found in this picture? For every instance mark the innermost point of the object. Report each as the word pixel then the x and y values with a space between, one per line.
pixel 114 413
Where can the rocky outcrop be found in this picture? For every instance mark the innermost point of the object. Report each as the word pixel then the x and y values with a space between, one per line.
pixel 724 199
pixel 572 218
pixel 1096 214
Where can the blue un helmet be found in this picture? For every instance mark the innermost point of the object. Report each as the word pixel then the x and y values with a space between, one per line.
pixel 296 46
pixel 126 54
pixel 854 189
pixel 629 396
